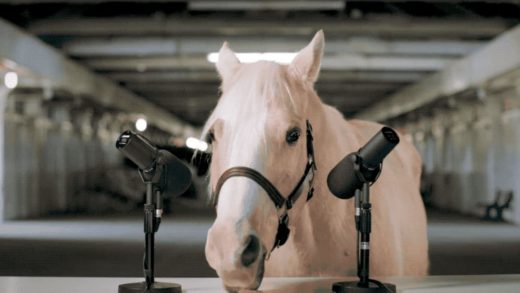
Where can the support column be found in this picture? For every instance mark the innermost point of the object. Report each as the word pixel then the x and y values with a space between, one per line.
pixel 59 140
pixel 4 92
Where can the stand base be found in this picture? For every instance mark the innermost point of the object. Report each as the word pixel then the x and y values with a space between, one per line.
pixel 156 288
pixel 352 287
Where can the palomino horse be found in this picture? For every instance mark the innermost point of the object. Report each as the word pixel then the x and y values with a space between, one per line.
pixel 260 123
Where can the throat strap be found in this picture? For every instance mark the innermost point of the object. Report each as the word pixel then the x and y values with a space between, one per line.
pixel 307 174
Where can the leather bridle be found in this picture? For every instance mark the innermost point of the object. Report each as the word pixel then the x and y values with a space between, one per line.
pixel 279 201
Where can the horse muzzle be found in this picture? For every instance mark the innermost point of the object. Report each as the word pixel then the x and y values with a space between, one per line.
pixel 255 284
pixel 240 264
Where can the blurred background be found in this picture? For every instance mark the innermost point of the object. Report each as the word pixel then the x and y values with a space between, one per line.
pixel 75 73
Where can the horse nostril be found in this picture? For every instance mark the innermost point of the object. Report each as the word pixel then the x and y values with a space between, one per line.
pixel 251 251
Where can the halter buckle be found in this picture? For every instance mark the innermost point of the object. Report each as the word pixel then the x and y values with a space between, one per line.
pixel 288 204
pixel 283 231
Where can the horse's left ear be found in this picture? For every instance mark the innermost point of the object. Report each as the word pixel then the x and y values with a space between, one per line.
pixel 227 63
pixel 307 63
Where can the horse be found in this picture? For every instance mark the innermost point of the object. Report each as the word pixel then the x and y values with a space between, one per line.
pixel 261 128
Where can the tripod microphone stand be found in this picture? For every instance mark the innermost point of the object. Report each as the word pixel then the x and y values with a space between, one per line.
pixel 154 165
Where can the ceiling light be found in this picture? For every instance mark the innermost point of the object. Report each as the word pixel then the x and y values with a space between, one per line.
pixel 11 79
pixel 279 57
pixel 196 144
pixel 141 124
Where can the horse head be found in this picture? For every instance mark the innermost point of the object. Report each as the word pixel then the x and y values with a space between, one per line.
pixel 259 125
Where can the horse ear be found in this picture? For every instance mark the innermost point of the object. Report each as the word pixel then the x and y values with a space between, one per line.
pixel 227 62
pixel 307 63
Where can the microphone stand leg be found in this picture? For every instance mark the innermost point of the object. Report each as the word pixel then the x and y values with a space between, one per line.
pixel 353 287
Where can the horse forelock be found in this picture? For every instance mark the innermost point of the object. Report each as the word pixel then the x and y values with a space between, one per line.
pixel 256 89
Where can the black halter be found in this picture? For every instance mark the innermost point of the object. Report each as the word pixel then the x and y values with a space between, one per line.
pixel 279 201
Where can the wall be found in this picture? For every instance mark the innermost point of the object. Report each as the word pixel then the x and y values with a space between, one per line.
pixel 53 151
pixel 470 150
pixel 4 92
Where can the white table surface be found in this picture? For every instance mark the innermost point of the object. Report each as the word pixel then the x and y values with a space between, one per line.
pixel 441 284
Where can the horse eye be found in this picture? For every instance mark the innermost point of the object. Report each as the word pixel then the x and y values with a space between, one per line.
pixel 210 137
pixel 292 135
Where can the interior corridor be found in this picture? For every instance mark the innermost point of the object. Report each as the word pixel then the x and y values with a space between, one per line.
pixel 112 245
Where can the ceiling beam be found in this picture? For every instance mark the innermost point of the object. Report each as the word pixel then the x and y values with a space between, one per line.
pixel 213 87
pixel 149 63
pixel 164 76
pixel 177 105
pixel 251 5
pixel 212 76
pixel 394 27
pixel 216 5
pixel 349 101
pixel 443 1
pixel 153 46
pixel 371 76
pixel 497 58
pixel 57 72
pixel 390 63
pixel 335 62
pixel 205 105
pixel 186 94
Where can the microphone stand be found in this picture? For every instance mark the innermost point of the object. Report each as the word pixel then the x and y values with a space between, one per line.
pixel 152 219
pixel 363 220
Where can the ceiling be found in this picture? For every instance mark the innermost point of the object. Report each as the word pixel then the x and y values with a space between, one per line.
pixel 158 49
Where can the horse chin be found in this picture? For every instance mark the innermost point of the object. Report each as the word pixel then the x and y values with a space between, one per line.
pixel 260 273
pixel 257 281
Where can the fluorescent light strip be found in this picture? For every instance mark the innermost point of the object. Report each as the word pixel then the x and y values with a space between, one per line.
pixel 196 144
pixel 279 57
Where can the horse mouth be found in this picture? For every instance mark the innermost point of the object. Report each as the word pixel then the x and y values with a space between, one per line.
pixel 257 281
pixel 259 273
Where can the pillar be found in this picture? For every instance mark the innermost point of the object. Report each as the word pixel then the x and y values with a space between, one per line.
pixel 4 92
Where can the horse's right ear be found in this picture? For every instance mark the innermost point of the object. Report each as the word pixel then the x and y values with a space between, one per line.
pixel 307 63
pixel 227 62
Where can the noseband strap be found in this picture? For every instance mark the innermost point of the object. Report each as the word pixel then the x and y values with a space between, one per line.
pixel 273 193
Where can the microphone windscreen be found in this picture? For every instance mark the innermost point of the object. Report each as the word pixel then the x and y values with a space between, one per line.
pixel 137 149
pixel 178 175
pixel 342 180
pixel 378 147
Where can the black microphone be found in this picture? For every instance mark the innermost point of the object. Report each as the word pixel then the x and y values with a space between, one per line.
pixel 364 165
pixel 138 149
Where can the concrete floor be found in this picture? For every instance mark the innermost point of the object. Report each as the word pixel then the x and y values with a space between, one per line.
pixel 109 246
pixel 466 245
pixel 112 246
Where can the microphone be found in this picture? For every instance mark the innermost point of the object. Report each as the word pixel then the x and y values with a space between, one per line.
pixel 175 175
pixel 361 166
